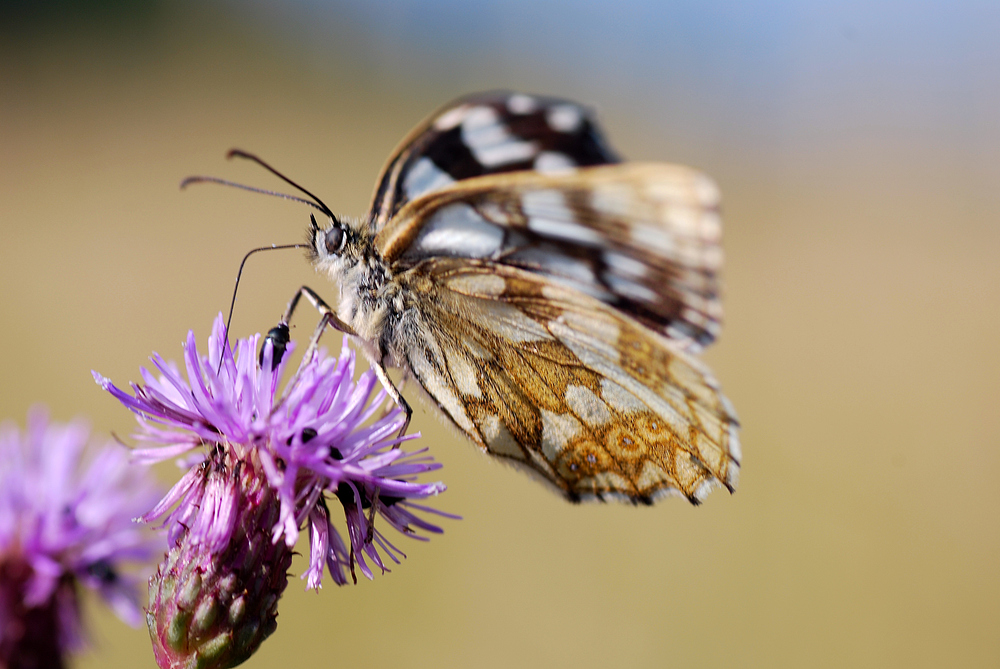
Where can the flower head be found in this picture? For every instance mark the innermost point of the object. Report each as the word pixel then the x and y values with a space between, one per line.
pixel 261 468
pixel 65 522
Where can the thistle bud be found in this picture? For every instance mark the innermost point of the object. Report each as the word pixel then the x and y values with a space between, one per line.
pixel 213 609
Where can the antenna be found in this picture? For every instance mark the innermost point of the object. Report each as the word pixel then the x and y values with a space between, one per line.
pixel 314 202
pixel 223 182
pixel 232 304
pixel 238 153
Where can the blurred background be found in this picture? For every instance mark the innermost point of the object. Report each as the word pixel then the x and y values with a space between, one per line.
pixel 858 152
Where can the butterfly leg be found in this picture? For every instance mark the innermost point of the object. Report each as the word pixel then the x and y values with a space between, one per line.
pixel 328 317
pixel 326 312
pixel 393 392
pixel 279 335
pixel 397 397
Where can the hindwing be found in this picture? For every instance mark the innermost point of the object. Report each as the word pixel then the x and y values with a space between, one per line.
pixel 565 385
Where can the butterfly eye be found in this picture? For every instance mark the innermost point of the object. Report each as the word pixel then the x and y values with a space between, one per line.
pixel 334 240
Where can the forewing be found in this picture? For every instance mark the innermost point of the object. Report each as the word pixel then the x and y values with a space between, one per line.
pixel 642 238
pixel 560 383
pixel 487 133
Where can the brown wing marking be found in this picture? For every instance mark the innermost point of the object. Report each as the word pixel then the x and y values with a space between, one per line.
pixel 595 403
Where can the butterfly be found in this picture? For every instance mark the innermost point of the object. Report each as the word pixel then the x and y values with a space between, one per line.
pixel 547 297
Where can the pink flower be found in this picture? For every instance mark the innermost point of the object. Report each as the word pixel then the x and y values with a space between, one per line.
pixel 263 467
pixel 66 520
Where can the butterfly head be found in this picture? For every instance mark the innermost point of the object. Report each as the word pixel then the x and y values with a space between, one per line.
pixel 338 246
pixel 345 251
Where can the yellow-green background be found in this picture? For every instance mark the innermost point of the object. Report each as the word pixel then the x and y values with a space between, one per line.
pixel 858 151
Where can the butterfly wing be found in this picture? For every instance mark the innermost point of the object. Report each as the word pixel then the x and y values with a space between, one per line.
pixel 566 386
pixel 487 133
pixel 642 238
pixel 553 298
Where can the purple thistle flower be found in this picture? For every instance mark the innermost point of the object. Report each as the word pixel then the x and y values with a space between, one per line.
pixel 262 467
pixel 66 521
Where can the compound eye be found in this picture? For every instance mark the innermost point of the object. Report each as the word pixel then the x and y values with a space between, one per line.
pixel 334 240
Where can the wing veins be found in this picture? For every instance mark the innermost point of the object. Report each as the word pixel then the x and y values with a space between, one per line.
pixel 565 306
pixel 499 392
pixel 580 420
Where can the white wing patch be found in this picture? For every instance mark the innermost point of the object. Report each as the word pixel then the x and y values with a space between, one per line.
pixel 490 140
pixel 549 259
pixel 424 177
pixel 499 439
pixel 458 230
pixel 451 118
pixel 486 285
pixel 558 429
pixel 588 406
pixel 546 203
pixel 521 104
pixel 505 320
pixel 463 373
pixel 554 162
pixel 614 198
pixel 633 290
pixel 625 266
pixel 439 388
pixel 618 398
pixel 565 118
pixel 564 231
